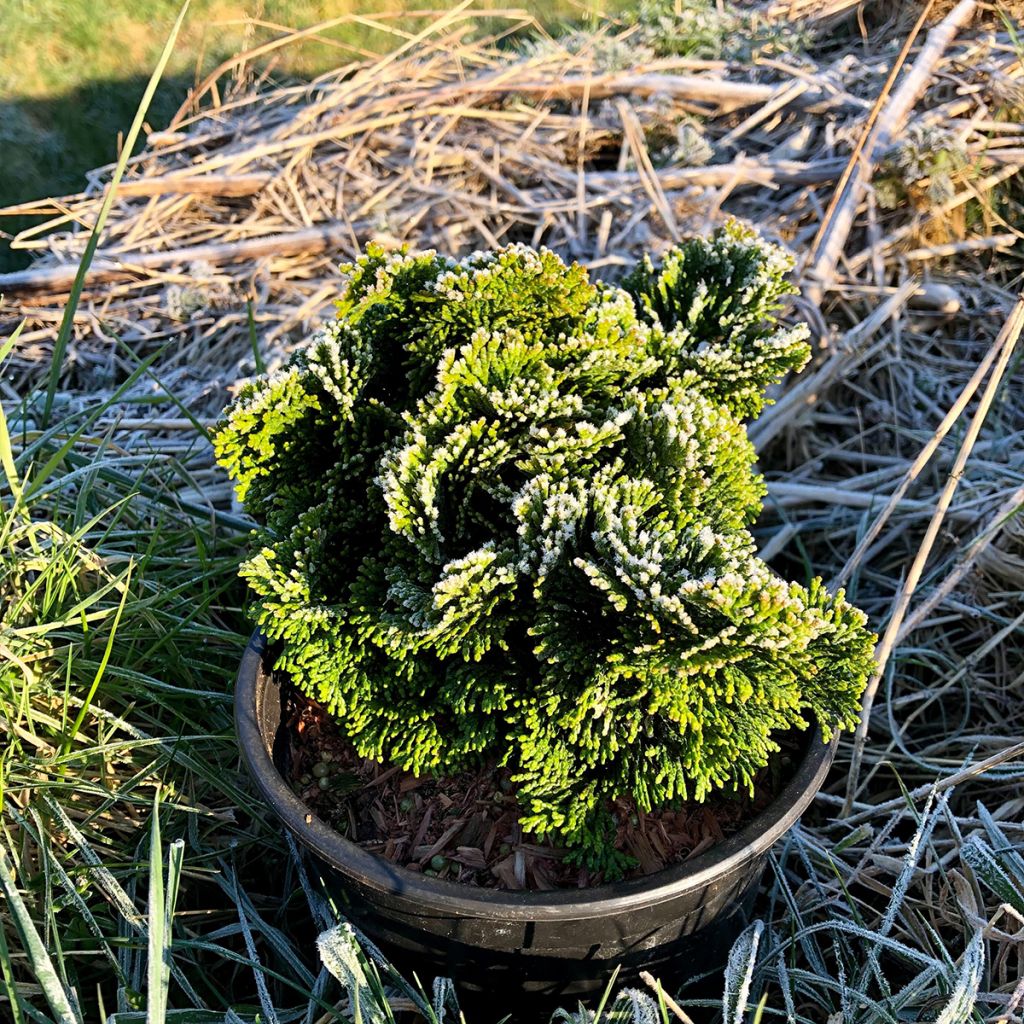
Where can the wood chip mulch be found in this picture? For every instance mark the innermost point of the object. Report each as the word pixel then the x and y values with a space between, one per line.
pixel 465 827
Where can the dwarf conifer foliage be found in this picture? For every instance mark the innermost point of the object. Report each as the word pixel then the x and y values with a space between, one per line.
pixel 504 511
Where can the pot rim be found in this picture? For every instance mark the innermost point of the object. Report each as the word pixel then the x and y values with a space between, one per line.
pixel 375 873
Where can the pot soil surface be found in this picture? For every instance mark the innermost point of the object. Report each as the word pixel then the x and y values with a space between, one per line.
pixel 465 827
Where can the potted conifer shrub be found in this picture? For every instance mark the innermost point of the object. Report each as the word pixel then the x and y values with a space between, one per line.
pixel 504 535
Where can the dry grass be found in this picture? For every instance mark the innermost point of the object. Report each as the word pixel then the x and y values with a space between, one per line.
pixel 220 255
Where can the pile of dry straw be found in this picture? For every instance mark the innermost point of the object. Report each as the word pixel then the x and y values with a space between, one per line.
pixel 896 461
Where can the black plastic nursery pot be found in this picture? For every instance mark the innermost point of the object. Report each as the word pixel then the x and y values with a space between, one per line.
pixel 525 953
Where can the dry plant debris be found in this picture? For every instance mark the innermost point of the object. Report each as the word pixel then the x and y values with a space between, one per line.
pixel 220 253
pixel 465 827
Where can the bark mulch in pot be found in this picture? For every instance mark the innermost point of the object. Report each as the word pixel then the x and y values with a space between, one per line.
pixel 465 827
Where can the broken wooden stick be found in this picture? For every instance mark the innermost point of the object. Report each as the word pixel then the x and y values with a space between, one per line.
pixel 195 184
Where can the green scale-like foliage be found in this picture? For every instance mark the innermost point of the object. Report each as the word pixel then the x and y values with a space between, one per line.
pixel 504 512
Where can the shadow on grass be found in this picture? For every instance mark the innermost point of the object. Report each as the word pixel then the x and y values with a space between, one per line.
pixel 47 146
